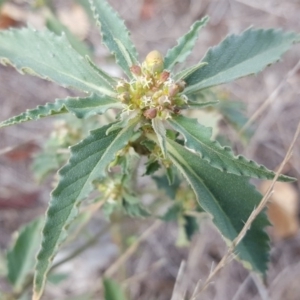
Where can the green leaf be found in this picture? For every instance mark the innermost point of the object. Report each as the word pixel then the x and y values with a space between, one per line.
pixel 81 107
pixel 92 105
pixel 49 109
pixel 54 25
pixel 185 73
pixel 21 257
pixel 115 35
pixel 184 45
pixel 152 167
pixel 229 199
pixel 110 80
pixel 112 290
pixel 88 162
pixel 240 55
pixel 198 138
pixel 160 131
pixel 42 53
pixel 134 209
pixel 191 226
pixel 195 105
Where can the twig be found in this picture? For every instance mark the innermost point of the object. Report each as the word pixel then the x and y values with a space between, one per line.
pixel 251 218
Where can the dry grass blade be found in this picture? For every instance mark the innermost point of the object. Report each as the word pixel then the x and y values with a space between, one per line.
pixel 251 218
pixel 177 295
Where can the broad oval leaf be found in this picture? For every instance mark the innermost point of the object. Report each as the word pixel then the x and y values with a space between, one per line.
pixel 198 138
pixel 89 160
pixel 229 199
pixel 115 35
pixel 240 55
pixel 42 53
pixel 21 257
pixel 184 45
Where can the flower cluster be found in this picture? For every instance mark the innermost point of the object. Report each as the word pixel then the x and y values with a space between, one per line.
pixel 152 91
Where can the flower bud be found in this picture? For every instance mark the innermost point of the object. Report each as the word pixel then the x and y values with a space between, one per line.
pixel 150 113
pixel 181 85
pixel 173 90
pixel 154 62
pixel 164 101
pixel 136 70
pixel 122 86
pixel 164 76
pixel 124 97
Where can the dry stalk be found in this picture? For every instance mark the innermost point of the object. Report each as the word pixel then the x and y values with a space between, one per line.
pixel 251 218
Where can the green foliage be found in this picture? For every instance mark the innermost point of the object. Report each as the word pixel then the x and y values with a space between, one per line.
pixel 50 57
pixel 94 153
pixel 224 197
pixel 185 45
pixel 150 125
pixel 240 55
pixel 115 35
pixel 112 290
pixel 198 138
pixel 20 257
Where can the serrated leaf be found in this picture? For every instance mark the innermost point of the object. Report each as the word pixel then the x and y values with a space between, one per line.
pixel 229 199
pixel 54 25
pixel 81 107
pixel 185 73
pixel 42 53
pixel 152 167
pixel 135 210
pixel 21 257
pixel 195 105
pixel 198 138
pixel 115 35
pixel 92 105
pixel 240 55
pixel 49 109
pixel 105 76
pixel 88 162
pixel 160 131
pixel 185 45
pixel 112 290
